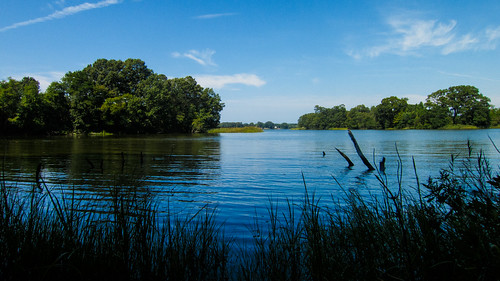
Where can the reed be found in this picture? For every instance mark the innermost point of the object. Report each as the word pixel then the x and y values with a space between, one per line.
pixel 48 237
pixel 447 231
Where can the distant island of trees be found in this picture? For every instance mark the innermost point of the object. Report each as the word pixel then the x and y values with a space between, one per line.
pixel 455 107
pixel 109 95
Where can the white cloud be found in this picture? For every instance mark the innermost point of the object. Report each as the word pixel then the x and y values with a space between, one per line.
pixel 212 16
pixel 423 33
pixel 465 43
pixel 493 33
pixel 44 78
pixel 68 11
pixel 412 36
pixel 220 81
pixel 204 57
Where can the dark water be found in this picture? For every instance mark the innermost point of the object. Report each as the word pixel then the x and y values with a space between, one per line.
pixel 238 174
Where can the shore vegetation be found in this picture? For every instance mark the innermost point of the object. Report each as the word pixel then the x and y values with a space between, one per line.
pixel 248 129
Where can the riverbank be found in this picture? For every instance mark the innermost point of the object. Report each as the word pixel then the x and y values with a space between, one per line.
pixel 248 129
pixel 446 229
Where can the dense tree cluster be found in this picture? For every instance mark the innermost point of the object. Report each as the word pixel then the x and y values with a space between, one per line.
pixel 111 95
pixel 458 105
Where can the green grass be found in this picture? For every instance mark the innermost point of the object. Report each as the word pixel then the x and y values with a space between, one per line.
pixel 248 129
pixel 444 228
pixel 100 134
pixel 459 127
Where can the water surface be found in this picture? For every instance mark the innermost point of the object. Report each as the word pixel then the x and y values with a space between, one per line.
pixel 238 174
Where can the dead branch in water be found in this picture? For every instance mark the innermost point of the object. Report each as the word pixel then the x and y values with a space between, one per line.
pixel 345 157
pixel 360 153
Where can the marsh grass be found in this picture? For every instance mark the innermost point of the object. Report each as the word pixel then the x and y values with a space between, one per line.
pixel 44 237
pixel 446 228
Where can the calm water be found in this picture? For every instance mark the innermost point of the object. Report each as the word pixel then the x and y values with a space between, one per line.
pixel 236 173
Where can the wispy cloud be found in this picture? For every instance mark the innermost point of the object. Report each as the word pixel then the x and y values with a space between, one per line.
pixel 213 16
pixel 44 78
pixel 68 11
pixel 202 57
pixel 469 76
pixel 411 36
pixel 220 81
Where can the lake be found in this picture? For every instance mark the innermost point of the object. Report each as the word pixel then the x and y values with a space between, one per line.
pixel 238 174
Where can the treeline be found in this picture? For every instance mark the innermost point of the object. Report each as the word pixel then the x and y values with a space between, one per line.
pixel 454 107
pixel 266 125
pixel 109 95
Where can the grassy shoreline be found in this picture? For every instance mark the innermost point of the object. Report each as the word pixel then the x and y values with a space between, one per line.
pixel 447 230
pixel 249 129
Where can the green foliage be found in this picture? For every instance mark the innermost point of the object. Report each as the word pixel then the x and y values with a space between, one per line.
pixel 57 109
pixel 180 104
pixel 388 109
pixel 324 118
pixel 29 116
pixel 413 116
pixel 495 117
pixel 458 105
pixel 361 117
pixel 123 113
pixel 11 94
pixel 463 104
pixel 112 95
pixel 308 121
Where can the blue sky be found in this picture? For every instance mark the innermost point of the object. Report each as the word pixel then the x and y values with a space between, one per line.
pixel 268 60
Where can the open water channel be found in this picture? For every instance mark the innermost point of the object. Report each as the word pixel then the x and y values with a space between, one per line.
pixel 238 174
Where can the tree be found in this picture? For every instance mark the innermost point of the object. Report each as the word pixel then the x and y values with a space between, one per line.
pixel 124 113
pixel 464 104
pixel 361 117
pixel 118 96
pixel 56 108
pixel 208 111
pixel 412 117
pixel 119 77
pixel 388 109
pixel 86 98
pixel 10 98
pixel 29 115
pixel 328 118
pixel 180 104
pixel 495 117
pixel 308 121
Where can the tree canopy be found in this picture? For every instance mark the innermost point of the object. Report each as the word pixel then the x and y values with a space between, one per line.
pixel 458 105
pixel 111 95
